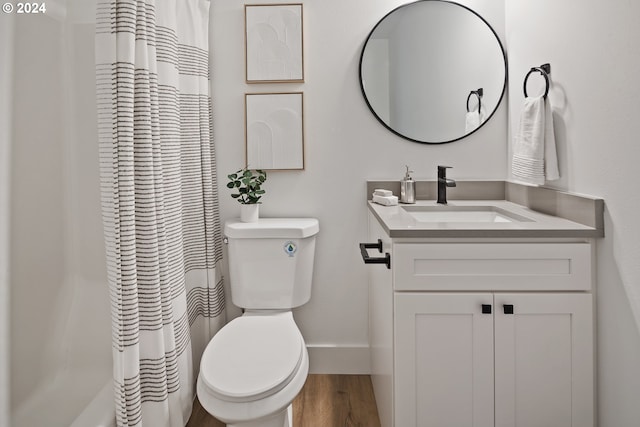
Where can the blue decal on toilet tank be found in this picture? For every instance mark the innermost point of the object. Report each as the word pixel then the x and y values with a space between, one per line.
pixel 290 248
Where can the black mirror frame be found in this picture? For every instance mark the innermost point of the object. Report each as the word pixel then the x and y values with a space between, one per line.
pixel 504 86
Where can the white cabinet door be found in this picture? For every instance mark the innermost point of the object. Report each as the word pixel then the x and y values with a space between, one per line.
pixel 443 360
pixel 544 360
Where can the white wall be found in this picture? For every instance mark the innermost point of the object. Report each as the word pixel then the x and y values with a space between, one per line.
pixel 6 58
pixel 60 310
pixel 595 65
pixel 344 146
pixel 37 199
pixel 86 273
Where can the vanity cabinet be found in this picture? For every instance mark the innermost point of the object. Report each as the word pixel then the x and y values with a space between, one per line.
pixel 458 366
pixel 482 332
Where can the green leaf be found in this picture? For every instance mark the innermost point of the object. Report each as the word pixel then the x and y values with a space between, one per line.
pixel 248 184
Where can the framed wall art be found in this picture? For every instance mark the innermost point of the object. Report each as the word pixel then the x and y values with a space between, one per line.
pixel 273 43
pixel 274 131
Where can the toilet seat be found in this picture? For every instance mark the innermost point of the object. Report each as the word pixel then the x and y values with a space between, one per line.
pixel 252 357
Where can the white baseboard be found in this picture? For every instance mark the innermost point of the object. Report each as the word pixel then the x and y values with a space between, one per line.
pixel 326 359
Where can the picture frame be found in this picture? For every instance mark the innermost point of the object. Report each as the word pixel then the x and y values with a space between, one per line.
pixel 274 43
pixel 274 131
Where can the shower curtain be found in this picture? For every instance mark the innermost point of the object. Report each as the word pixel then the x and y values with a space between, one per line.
pixel 159 202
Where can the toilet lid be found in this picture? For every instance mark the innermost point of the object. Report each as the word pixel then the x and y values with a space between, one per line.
pixel 252 357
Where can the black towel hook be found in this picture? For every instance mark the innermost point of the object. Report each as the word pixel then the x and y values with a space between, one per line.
pixel 545 70
pixel 479 93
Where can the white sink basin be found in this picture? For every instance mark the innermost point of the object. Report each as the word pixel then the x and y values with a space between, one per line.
pixel 449 213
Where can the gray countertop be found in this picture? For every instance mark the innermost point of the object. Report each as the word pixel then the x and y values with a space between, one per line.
pixel 399 223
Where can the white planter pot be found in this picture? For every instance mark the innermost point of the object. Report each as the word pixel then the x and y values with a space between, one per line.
pixel 249 213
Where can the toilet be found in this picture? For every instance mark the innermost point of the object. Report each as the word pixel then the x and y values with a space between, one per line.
pixel 255 366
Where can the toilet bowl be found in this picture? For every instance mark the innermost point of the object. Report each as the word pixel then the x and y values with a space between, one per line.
pixel 254 367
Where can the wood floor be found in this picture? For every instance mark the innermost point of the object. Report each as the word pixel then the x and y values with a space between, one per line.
pixel 325 401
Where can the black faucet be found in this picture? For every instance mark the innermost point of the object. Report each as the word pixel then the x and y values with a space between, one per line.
pixel 443 183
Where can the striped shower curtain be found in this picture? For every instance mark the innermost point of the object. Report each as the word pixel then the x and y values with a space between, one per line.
pixel 159 202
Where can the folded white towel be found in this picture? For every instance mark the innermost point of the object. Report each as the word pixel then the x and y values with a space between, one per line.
pixel 472 120
pixel 386 200
pixel 381 192
pixel 534 149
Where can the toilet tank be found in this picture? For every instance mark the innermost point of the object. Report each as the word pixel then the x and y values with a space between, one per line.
pixel 271 261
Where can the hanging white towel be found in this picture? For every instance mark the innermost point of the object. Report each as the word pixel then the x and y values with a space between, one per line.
pixel 534 151
pixel 551 171
pixel 473 119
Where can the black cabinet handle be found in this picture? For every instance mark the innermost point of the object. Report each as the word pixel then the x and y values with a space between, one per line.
pixel 386 259
pixel 508 308
pixel 486 308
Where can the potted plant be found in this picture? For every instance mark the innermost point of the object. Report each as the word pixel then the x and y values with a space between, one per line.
pixel 248 185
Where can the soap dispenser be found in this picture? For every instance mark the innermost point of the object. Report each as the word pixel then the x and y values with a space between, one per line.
pixel 407 188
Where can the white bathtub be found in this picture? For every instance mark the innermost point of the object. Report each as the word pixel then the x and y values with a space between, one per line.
pixel 77 389
pixel 100 412
pixel 80 399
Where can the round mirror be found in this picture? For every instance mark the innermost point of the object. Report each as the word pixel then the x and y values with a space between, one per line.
pixel 433 71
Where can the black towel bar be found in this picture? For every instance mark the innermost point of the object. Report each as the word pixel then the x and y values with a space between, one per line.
pixel 386 259
pixel 545 70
